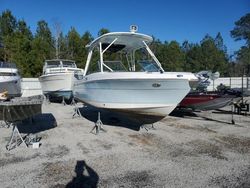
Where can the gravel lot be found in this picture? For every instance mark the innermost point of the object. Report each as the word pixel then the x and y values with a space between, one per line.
pixel 201 149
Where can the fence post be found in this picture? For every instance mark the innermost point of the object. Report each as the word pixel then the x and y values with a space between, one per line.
pixel 230 82
pixel 247 82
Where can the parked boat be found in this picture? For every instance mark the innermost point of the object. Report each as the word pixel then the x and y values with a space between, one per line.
pixel 10 80
pixel 57 80
pixel 129 78
pixel 209 100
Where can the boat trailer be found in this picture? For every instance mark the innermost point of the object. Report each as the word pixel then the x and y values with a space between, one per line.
pixel 243 106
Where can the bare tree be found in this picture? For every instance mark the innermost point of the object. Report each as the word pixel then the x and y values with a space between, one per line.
pixel 57 31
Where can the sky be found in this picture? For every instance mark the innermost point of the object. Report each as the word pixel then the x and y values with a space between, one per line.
pixel 166 20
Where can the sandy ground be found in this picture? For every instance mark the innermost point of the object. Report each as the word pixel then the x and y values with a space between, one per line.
pixel 201 149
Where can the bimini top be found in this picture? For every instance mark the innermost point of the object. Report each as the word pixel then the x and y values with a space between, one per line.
pixel 127 41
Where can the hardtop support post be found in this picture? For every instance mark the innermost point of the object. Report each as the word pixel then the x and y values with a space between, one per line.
pixel 101 56
pixel 88 61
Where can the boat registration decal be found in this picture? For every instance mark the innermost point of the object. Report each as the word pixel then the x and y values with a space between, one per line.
pixel 156 85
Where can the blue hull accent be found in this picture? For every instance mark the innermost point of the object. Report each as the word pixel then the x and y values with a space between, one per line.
pixel 67 95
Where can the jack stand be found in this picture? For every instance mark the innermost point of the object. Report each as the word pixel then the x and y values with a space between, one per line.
pixel 63 101
pixel 147 127
pixel 31 139
pixel 5 124
pixel 98 125
pixel 46 99
pixel 15 138
pixel 232 110
pixel 76 112
pixel 73 102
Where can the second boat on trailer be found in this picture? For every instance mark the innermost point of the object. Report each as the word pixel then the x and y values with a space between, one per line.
pixel 58 78
pixel 133 81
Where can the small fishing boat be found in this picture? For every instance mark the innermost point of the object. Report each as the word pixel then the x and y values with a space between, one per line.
pixel 209 100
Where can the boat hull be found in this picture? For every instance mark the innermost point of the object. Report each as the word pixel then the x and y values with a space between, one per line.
pixel 57 85
pixel 12 85
pixel 140 93
pixel 206 101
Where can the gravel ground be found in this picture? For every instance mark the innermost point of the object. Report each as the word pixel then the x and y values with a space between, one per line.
pixel 201 149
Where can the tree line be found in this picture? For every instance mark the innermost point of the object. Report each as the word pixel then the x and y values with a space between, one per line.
pixel 29 51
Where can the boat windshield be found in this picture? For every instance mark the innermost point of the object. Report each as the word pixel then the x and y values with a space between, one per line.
pixel 140 61
pixel 116 66
pixel 149 66
pixel 8 74
pixel 7 65
pixel 53 64
pixel 69 64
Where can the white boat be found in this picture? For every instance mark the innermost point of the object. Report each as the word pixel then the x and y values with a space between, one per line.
pixel 136 83
pixel 58 78
pixel 10 79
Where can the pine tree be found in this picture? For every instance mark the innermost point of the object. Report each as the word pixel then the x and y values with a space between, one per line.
pixel 85 39
pixel 73 44
pixel 241 31
pixel 42 48
pixel 8 25
pixel 213 58
pixel 219 43
pixel 102 31
pixel 22 47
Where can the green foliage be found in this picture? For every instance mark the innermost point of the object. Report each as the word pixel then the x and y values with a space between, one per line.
pixel 29 51
pixel 76 46
pixel 73 41
pixel 243 55
pixel 194 59
pixel 103 31
pixel 173 56
pixel 210 54
pixel 85 39
pixel 213 58
pixel 219 43
pixel 241 30
pixel 42 48
pixel 62 46
pixel 7 23
pixel 22 47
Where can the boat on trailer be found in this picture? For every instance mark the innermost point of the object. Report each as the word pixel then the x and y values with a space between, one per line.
pixel 127 77
pixel 201 99
pixel 209 100
pixel 58 78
